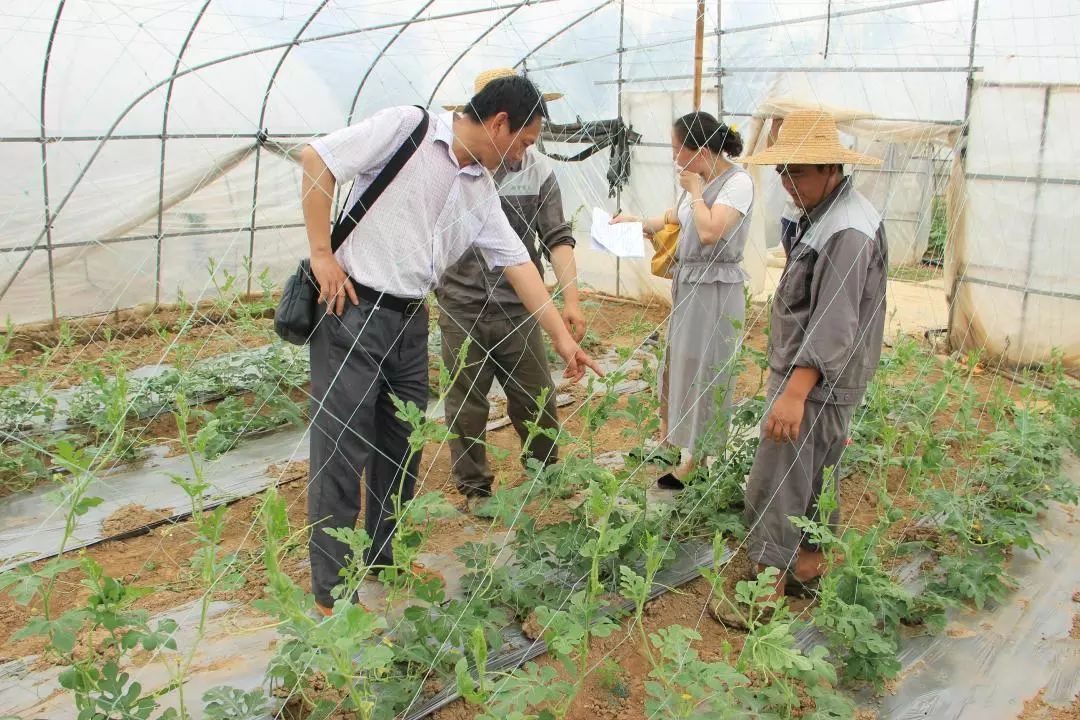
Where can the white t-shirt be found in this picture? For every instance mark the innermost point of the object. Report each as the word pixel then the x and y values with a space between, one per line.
pixel 737 192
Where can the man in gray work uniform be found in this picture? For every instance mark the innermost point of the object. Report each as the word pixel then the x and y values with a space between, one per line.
pixel 828 319
pixel 478 303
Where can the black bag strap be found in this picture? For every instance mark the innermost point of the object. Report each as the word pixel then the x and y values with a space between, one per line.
pixel 347 222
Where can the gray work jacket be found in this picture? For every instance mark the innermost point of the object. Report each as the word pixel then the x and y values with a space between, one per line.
pixel 532 202
pixel 829 309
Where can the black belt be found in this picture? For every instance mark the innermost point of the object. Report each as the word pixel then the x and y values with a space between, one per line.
pixel 406 306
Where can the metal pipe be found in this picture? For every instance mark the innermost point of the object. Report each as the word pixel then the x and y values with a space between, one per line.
pixel 870 170
pixel 618 102
pixel 835 15
pixel 882 119
pixel 164 235
pixel 382 52
pixel 628 81
pixel 969 93
pixel 1026 179
pixel 890 171
pixel 733 71
pixel 473 44
pixel 148 136
pixel 562 30
pixel 580 61
pixel 828 28
pixel 261 128
pixel 45 163
pixel 796 68
pixel 363 81
pixel 164 135
pixel 1030 84
pixel 719 61
pixel 1019 288
pixel 749 28
pixel 218 61
pixel 1033 235
pixel 971 59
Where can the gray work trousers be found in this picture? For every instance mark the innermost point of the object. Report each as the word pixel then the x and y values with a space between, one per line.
pixel 512 350
pixel 786 481
pixel 358 361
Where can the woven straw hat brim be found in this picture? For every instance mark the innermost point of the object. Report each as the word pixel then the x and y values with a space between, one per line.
pixel 806 154
pixel 809 137
pixel 548 97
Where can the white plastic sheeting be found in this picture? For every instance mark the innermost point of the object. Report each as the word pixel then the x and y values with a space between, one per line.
pixel 652 190
pixel 132 130
pixel 903 186
pixel 1014 251
pixel 136 217
pixel 877 123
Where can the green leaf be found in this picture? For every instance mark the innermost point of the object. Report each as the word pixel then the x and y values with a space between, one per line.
pixel 27 583
pixel 772 647
pixel 84 505
pixel 467 686
pixel 229 703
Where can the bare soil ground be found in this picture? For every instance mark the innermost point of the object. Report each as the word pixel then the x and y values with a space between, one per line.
pixel 162 558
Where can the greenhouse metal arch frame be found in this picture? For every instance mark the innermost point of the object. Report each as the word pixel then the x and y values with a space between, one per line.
pixel 51 210
pixel 50 214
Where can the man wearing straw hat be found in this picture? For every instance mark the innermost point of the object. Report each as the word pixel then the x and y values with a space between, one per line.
pixel 505 342
pixel 828 318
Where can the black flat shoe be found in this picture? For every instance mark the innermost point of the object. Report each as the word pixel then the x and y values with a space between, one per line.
pixel 670 482
pixel 664 457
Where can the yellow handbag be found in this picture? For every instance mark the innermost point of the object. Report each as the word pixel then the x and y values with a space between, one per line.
pixel 664 244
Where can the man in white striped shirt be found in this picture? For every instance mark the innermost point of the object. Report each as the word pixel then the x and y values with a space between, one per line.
pixel 373 342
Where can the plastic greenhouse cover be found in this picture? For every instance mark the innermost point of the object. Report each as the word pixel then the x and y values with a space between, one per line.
pixel 1016 243
pixel 293 70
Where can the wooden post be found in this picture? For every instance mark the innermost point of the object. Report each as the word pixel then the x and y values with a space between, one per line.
pixel 699 52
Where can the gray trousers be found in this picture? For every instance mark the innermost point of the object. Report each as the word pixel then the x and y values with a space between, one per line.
pixel 357 362
pixel 786 482
pixel 512 350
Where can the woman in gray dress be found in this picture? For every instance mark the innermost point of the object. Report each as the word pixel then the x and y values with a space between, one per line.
pixel 708 302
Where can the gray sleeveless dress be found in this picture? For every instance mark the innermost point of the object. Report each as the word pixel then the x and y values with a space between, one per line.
pixel 705 328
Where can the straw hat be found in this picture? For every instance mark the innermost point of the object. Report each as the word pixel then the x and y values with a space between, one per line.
pixel 487 76
pixel 809 137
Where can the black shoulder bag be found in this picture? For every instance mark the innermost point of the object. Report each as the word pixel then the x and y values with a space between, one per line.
pixel 298 310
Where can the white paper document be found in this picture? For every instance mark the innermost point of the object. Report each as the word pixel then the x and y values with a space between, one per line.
pixel 624 239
